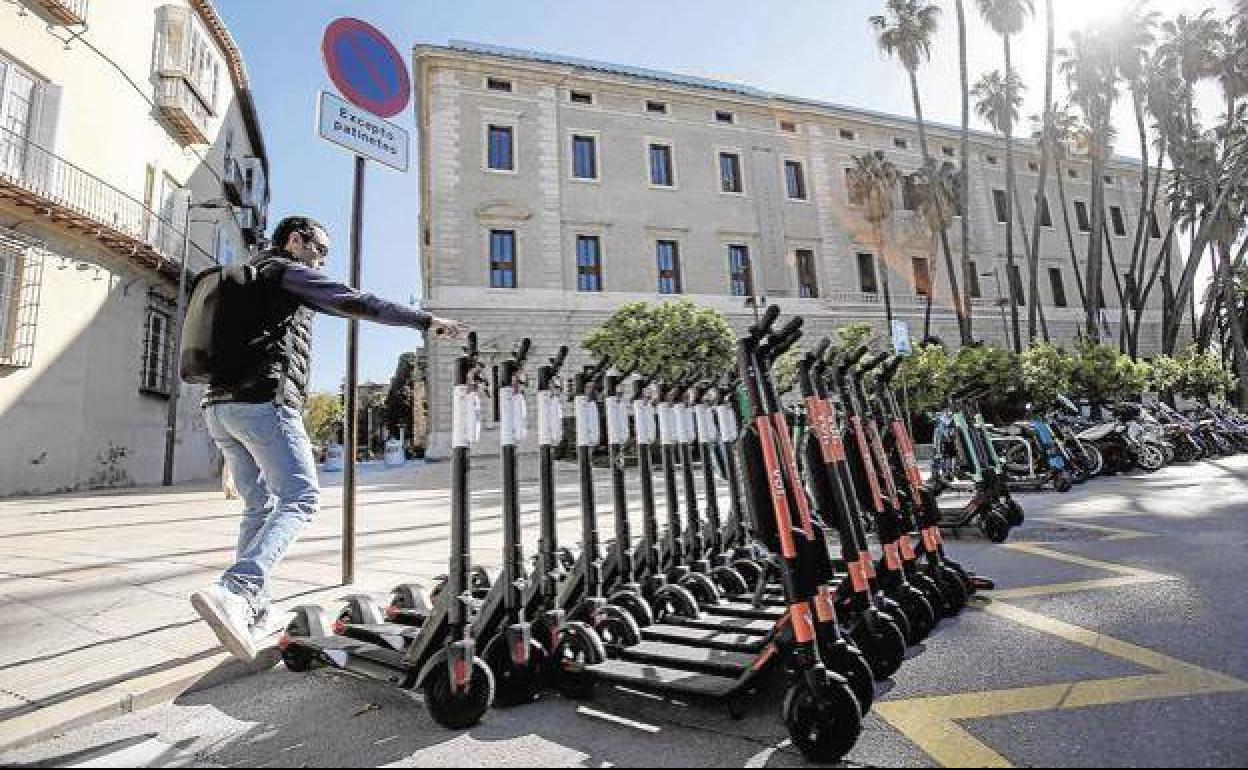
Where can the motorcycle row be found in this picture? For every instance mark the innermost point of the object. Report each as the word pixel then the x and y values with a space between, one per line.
pixel 1064 447
pixel 798 551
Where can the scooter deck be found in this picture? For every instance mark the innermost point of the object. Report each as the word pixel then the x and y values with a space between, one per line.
pixel 727 641
pixel 394 636
pixel 666 680
pixel 708 622
pixel 359 657
pixel 770 611
pixel 679 656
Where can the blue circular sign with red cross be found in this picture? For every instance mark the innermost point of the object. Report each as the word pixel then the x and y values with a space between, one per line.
pixel 365 67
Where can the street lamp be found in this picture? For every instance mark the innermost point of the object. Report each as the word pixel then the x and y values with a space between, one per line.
pixel 175 387
pixel 1001 301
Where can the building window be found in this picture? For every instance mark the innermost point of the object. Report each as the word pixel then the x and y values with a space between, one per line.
pixel 807 278
pixel 1058 287
pixel 656 108
pixel 856 191
pixel 667 255
pixel 1073 174
pixel 1001 204
pixel 901 144
pixel 867 280
pixel 910 197
pixel 584 157
pixel 848 135
pixel 1109 180
pixel 788 126
pixel 1016 285
pixel 794 180
pixel 1033 166
pixel 227 252
pixel 1081 215
pixel 922 276
pixel 948 151
pixel 498 84
pixel 1046 216
pixel 739 274
pixel 723 116
pixel 588 263
pixel 730 172
pixel 157 346
pixel 1154 229
pixel 1120 224
pixel 18 91
pixel 991 159
pixel 973 280
pixel 8 300
pixel 21 281
pixel 501 155
pixel 502 259
pixel 581 97
pixel 661 166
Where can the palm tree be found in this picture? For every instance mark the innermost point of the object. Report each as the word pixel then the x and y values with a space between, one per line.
pixel 937 185
pixel 1092 79
pixel 1188 47
pixel 964 176
pixel 1064 131
pixel 998 100
pixel 906 33
pixel 1131 35
pixel 1041 182
pixel 1007 18
pixel 873 181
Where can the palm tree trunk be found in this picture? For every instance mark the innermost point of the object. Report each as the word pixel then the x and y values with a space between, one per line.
pixel 1238 347
pixel 943 229
pixel 1070 235
pixel 882 263
pixel 1163 258
pixel 964 181
pixel 1118 288
pixel 1036 310
pixel 1010 184
pixel 1138 247
pixel 1095 238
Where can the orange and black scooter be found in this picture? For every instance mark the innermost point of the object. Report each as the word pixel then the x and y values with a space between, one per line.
pixel 873 629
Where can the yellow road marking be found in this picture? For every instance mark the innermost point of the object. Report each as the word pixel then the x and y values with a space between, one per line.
pixel 931 723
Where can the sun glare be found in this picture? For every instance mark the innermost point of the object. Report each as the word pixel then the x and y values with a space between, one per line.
pixel 1079 13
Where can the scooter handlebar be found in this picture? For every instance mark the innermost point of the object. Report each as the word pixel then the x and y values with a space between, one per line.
pixel 890 369
pixel 556 363
pixel 821 349
pixel 764 324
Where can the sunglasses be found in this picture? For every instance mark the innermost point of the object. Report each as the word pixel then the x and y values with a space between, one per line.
pixel 321 248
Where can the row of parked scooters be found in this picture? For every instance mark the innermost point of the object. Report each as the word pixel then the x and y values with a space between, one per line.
pixel 1067 447
pixel 761 575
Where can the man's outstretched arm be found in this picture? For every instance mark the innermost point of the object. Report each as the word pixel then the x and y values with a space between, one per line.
pixel 323 294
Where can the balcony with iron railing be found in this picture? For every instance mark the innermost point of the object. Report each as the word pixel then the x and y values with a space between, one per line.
pixel 185 112
pixel 35 178
pixel 68 12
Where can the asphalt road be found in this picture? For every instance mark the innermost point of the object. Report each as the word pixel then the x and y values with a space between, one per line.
pixel 1116 639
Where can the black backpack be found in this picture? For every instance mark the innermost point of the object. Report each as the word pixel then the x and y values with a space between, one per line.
pixel 226 315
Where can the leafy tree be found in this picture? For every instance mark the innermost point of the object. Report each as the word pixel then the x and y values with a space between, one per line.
pixel 1046 374
pixel 668 338
pixel 925 378
pixel 852 336
pixel 1167 374
pixel 1204 376
pixel 785 370
pixel 996 368
pixel 1102 373
pixel 322 417
pixel 399 409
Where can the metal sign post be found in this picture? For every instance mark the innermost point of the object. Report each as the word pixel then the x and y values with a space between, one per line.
pixel 371 74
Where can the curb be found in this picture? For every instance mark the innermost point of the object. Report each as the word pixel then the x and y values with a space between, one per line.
pixel 132 695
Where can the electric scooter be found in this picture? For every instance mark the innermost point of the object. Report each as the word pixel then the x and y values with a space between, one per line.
pixel 458 686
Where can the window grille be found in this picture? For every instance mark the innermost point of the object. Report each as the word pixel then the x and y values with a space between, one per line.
pixel 21 279
pixel 158 345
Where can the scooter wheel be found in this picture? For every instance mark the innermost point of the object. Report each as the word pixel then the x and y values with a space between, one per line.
pixel 953 588
pixel 995 527
pixel 848 661
pixel 1013 513
pixel 918 612
pixel 729 581
pixel 514 684
pixel 968 582
pixel 702 588
pixel 1062 483
pixel 636 606
pixel 295 657
pixel 578 647
pixel 931 591
pixel 893 610
pixel 885 649
pixel 673 601
pixel 458 710
pixel 617 628
pixel 751 571
pixel 824 723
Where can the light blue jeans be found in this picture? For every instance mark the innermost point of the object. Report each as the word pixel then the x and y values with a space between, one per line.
pixel 270 457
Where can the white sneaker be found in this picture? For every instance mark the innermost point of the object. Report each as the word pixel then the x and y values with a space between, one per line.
pixel 230 617
pixel 267 625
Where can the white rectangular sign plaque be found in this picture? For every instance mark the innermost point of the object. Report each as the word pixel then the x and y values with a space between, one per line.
pixel 362 132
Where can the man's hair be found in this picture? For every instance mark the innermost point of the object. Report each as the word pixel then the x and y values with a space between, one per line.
pixel 294 224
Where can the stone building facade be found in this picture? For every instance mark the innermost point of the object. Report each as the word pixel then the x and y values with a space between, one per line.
pixel 554 190
pixel 116 118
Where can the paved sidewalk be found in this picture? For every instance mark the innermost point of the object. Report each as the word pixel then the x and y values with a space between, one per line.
pixel 94 587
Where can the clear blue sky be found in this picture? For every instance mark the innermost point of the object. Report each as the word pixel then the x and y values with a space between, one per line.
pixel 821 49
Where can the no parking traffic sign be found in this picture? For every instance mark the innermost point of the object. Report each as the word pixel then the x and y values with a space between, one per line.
pixel 366 67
